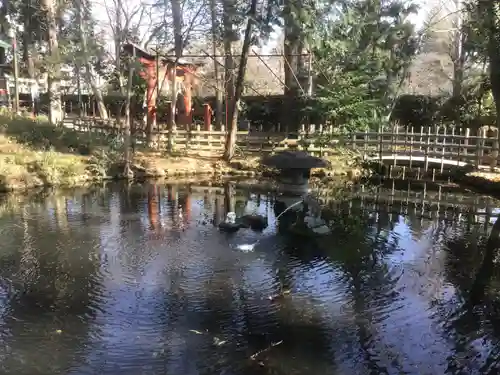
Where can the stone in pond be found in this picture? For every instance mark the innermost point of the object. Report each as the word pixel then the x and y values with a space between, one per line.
pixel 230 225
pixel 255 222
pixel 294 160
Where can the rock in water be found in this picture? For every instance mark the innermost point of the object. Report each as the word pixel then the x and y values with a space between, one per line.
pixel 230 225
pixel 246 247
pixel 255 222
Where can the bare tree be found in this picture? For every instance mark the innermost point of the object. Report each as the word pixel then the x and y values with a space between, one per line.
pixel 185 16
pixel 229 37
pixel 54 89
pixel 89 74
pixel 218 90
pixel 492 10
pixel 128 120
pixel 443 58
pixel 126 18
pixel 234 104
pixel 178 48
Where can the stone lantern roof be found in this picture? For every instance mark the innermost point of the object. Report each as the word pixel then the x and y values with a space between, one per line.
pixel 294 160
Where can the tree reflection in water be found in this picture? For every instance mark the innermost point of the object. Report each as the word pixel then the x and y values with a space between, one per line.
pixel 474 326
pixel 114 281
pixel 53 290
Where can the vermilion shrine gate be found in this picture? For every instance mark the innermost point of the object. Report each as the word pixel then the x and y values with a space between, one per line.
pixel 159 75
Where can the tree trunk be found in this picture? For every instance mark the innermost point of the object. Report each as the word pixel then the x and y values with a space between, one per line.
pixel 28 49
pixel 233 128
pixel 173 108
pixel 79 89
pixel 54 86
pixel 218 90
pixel 227 15
pixel 229 85
pixel 458 57
pixel 103 112
pixel 178 46
pixel 293 61
pixel 485 271
pixel 493 25
pixel 4 25
pixel 128 120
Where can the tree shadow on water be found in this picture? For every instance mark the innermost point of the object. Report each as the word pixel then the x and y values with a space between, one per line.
pixel 472 323
pixel 53 297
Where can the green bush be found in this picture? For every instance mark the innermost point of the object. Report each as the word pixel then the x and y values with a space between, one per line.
pixel 39 134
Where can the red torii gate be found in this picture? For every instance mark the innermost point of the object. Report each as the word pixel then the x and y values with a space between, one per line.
pixel 161 69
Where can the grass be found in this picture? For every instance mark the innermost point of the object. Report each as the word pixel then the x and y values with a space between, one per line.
pixel 33 154
pixel 22 167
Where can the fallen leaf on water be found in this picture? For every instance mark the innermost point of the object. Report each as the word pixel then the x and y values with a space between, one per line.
pixel 197 332
pixel 218 341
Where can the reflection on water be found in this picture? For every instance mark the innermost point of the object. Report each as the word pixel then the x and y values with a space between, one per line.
pixel 138 280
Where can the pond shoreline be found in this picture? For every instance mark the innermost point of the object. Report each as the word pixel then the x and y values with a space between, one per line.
pixel 139 173
pixel 241 179
pixel 34 154
pixel 480 182
pixel 86 171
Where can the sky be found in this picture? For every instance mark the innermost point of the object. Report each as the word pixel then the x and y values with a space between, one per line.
pixel 420 18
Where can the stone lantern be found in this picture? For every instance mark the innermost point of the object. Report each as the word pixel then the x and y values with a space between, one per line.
pixel 294 169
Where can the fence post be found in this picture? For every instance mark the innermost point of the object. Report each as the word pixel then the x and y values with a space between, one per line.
pixel 207 117
pixel 421 138
pixel 443 147
pixel 436 141
pixel 453 144
pixel 427 146
pixel 411 146
pixel 365 146
pixel 380 143
pixel 478 149
pixel 406 141
pixel 494 152
pixel 482 140
pixel 466 143
pixel 395 145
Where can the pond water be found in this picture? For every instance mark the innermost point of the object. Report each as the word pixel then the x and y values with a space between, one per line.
pixel 138 280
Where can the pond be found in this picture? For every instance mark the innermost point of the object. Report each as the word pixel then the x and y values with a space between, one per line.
pixel 137 279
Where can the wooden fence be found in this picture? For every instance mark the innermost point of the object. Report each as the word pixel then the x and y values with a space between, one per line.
pixel 427 202
pixel 202 142
pixel 438 145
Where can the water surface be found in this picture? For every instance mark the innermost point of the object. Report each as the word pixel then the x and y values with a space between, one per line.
pixel 138 280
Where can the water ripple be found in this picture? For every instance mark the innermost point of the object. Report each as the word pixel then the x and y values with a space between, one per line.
pixel 139 280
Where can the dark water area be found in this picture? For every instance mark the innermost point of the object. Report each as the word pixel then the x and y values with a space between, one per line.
pixel 138 280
